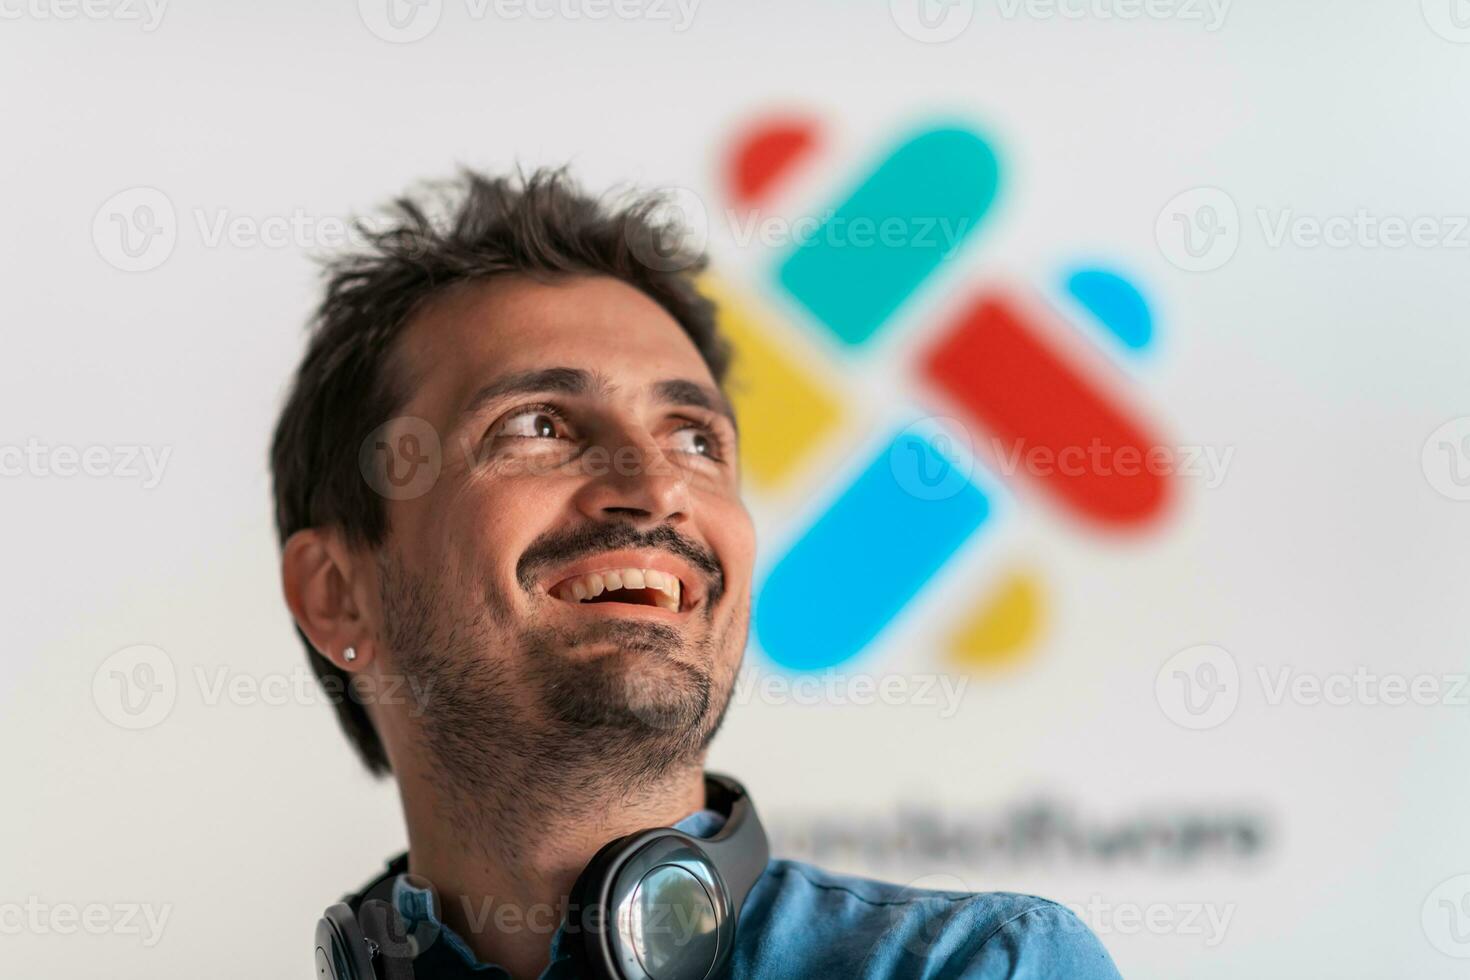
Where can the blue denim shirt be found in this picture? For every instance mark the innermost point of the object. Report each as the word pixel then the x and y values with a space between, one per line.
pixel 800 921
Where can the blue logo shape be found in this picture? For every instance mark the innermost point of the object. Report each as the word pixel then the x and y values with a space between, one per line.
pixel 1116 303
pixel 867 556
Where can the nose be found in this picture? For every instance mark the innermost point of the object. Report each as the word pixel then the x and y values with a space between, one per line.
pixel 633 480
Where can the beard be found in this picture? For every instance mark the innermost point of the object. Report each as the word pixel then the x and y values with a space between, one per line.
pixel 532 723
pixel 641 687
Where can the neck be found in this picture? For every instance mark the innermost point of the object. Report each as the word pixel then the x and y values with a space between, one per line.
pixel 504 862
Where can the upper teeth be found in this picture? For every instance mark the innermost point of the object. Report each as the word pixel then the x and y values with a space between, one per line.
pixel 593 584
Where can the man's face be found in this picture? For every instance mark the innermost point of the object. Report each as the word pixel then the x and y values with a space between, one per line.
pixel 585 446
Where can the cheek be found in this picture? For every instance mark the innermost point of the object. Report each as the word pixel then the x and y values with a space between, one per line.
pixel 492 525
pixel 732 535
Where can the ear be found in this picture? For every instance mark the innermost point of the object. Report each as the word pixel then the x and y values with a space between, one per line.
pixel 323 580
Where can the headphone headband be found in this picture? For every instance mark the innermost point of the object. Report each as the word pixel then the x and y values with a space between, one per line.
pixel 739 848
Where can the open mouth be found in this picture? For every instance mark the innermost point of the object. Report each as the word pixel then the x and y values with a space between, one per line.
pixel 627 586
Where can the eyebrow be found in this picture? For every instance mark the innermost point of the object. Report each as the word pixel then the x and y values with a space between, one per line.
pixel 566 381
pixel 682 391
pixel 576 381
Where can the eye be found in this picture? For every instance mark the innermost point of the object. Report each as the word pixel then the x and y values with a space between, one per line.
pixel 699 440
pixel 531 422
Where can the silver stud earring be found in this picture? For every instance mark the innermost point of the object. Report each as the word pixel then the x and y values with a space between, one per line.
pixel 350 654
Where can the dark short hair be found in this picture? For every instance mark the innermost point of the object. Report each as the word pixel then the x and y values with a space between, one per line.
pixel 473 227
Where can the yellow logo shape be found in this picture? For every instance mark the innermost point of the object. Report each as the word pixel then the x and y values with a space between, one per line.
pixel 784 410
pixel 999 632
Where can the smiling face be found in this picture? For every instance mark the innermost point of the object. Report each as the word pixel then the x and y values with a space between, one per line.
pixel 582 563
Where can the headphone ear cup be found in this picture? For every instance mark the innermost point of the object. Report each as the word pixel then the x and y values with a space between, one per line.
pixel 587 917
pixel 383 925
pixel 623 935
pixel 341 948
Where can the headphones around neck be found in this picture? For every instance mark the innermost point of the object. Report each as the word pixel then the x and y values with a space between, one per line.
pixel 654 905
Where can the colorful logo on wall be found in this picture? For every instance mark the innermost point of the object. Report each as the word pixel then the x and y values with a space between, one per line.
pixel 999 366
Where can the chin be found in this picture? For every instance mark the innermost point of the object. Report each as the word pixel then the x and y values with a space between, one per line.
pixel 623 688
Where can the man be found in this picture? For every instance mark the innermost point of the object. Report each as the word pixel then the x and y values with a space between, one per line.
pixel 506 485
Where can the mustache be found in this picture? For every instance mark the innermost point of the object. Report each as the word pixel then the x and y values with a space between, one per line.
pixel 560 547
